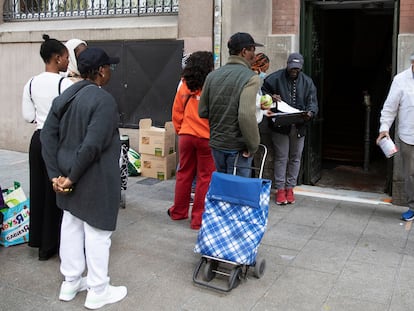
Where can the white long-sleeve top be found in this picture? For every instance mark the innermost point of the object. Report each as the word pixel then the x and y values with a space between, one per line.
pixel 259 111
pixel 400 101
pixel 44 88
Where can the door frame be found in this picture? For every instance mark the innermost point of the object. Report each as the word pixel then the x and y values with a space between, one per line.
pixel 312 155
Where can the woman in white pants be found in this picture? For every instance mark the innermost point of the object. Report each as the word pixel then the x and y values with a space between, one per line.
pixel 81 147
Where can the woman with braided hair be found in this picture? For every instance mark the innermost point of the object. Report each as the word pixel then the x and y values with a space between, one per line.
pixel 260 66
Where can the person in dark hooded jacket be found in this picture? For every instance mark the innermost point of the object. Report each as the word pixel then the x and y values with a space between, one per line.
pixel 81 148
pixel 297 89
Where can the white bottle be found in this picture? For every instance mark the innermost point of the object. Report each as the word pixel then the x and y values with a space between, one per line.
pixel 388 147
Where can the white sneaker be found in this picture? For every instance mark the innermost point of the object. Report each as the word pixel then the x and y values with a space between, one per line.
pixel 68 290
pixel 111 294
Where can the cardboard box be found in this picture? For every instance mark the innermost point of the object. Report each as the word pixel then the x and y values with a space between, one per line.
pixel 162 168
pixel 155 140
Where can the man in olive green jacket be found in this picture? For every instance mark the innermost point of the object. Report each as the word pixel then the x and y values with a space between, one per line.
pixel 228 101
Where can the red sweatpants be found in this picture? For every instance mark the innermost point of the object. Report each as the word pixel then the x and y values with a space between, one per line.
pixel 195 159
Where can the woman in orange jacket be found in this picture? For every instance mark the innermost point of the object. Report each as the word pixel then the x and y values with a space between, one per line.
pixel 193 143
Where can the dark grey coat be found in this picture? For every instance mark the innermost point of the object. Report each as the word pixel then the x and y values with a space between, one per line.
pixel 83 144
pixel 279 83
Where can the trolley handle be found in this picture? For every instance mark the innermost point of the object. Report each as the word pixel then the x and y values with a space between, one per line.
pixel 252 167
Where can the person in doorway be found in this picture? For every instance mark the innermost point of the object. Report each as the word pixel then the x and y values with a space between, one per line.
pixel 295 88
pixel 400 101
pixel 81 147
pixel 193 143
pixel 38 94
pixel 75 47
pixel 228 102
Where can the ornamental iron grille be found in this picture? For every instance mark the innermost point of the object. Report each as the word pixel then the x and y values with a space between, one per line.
pixel 34 10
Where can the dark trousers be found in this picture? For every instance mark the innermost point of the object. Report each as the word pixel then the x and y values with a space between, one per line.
pixel 407 154
pixel 45 216
pixel 287 154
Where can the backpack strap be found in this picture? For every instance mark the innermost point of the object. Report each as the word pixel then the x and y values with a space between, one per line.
pixel 31 99
pixel 30 89
pixel 60 85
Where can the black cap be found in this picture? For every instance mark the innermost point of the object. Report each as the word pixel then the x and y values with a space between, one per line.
pixel 241 40
pixel 93 58
pixel 295 60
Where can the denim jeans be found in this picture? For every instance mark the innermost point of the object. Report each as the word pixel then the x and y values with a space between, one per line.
pixel 224 161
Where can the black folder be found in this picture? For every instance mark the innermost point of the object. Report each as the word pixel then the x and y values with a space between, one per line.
pixel 285 118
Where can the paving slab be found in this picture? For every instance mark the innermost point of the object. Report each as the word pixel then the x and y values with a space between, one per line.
pixel 331 250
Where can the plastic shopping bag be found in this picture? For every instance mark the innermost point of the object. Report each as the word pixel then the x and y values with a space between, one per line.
pixel 15 224
pixel 14 195
pixel 2 204
pixel 134 162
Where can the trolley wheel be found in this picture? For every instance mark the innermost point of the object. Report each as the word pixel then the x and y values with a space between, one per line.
pixel 234 279
pixel 259 267
pixel 208 273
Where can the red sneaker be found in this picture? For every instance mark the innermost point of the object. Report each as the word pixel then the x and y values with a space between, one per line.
pixel 281 197
pixel 290 196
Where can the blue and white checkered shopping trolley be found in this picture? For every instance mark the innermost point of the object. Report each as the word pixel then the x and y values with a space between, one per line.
pixel 233 224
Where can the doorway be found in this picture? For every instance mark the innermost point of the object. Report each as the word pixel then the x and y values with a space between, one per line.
pixel 350 48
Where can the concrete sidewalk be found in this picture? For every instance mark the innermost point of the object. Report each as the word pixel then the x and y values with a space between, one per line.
pixel 329 251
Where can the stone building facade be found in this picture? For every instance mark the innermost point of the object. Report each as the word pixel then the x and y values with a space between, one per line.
pixel 314 28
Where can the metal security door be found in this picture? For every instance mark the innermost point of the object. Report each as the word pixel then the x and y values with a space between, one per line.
pixel 145 81
pixel 152 76
pixel 312 155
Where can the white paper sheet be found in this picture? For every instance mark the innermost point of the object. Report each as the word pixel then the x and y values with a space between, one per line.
pixel 284 107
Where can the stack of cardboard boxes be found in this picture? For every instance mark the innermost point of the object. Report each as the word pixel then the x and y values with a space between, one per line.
pixel 157 149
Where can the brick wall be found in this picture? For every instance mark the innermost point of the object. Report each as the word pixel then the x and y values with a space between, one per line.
pixel 286 16
pixel 406 16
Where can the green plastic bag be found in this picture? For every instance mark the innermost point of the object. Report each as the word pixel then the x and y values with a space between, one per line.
pixel 14 195
pixel 134 163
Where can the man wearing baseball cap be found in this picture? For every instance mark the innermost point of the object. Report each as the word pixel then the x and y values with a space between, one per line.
pixel 295 88
pixel 228 101
pixel 81 148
